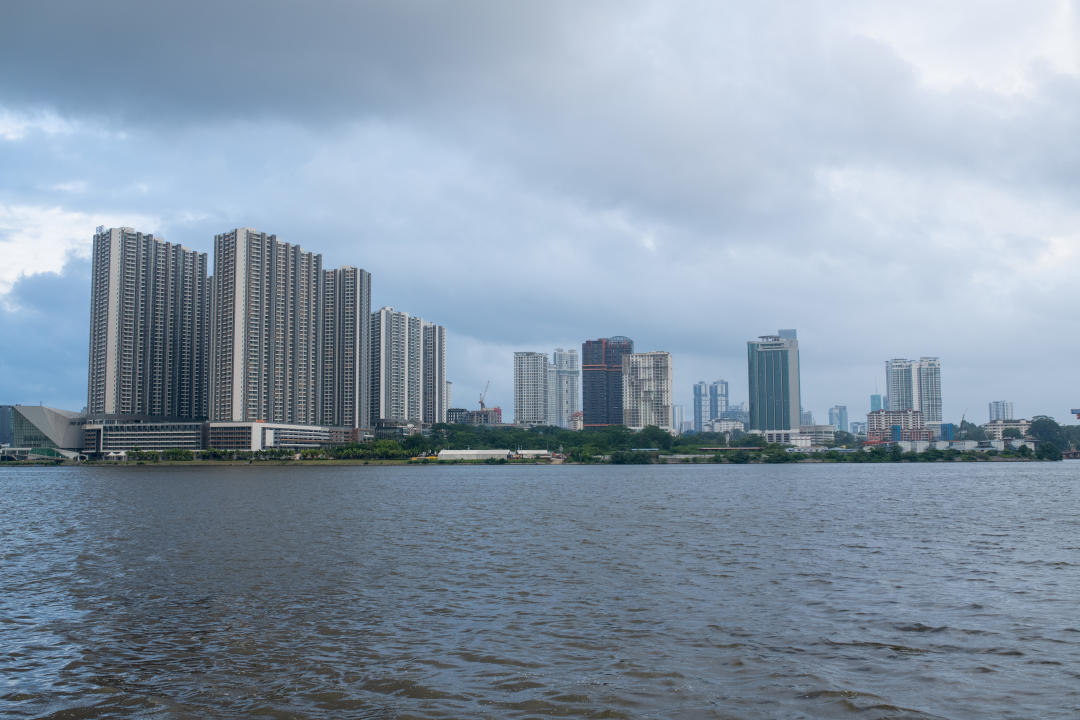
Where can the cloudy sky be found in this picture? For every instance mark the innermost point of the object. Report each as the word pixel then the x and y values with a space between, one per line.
pixel 891 179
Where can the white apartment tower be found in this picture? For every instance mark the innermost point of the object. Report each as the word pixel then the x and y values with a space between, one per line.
pixel 915 385
pixel 408 368
pixel 567 381
pixel 1001 410
pixel 265 318
pixel 531 387
pixel 647 381
pixel 345 348
pixel 149 323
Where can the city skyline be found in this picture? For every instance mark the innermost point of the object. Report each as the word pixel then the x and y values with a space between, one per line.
pixel 492 175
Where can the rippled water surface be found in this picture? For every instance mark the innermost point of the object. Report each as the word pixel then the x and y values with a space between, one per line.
pixel 885 591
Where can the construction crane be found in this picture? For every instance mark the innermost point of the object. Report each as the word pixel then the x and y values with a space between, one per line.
pixel 484 395
pixel 1076 412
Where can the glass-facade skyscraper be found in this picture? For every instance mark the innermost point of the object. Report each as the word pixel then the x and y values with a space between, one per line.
pixel 602 380
pixel 773 380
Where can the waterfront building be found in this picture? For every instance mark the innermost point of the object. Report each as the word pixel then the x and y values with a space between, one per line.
pixel 773 375
pixel 646 386
pixel 701 405
pixel 149 327
pixel 44 428
pixel 838 417
pixel 718 399
pixel 396 366
pixel 818 435
pixel 995 429
pixel 104 437
pixel 915 385
pixel 567 386
pixel 345 367
pixel 896 425
pixel 530 388
pixel 433 371
pixel 265 318
pixel 1001 410
pixel 602 380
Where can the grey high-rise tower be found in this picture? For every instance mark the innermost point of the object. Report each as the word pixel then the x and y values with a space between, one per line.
pixel 530 387
pixel 773 375
pixel 408 368
pixel 433 369
pixel 567 393
pixel 266 316
pixel 149 324
pixel 915 385
pixel 345 347
pixel 701 405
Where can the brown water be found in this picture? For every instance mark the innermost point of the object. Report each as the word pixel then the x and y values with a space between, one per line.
pixel 884 591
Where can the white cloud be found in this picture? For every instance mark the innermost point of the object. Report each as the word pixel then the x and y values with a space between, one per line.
pixel 38 239
pixel 16 126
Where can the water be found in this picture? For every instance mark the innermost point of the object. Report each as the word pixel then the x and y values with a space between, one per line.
pixel 884 591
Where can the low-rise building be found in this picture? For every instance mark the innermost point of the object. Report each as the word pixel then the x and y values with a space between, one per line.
pixel 995 429
pixel 819 435
pixel 474 455
pixel 103 437
pixel 896 426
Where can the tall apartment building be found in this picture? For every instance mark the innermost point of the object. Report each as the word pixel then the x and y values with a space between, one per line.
pixel 265 318
pixel 646 390
pixel 915 385
pixel 773 379
pixel 149 324
pixel 408 368
pixel 345 362
pixel 602 380
pixel 701 405
pixel 531 387
pixel 433 369
pixel 1001 410
pixel 718 399
pixel 567 386
pixel 838 417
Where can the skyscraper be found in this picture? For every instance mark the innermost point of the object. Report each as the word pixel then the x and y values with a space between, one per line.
pixel 1001 410
pixel 876 403
pixel 567 375
pixel 718 399
pixel 773 375
pixel 397 362
pixel 149 324
pixel 265 317
pixel 433 371
pixel 646 390
pixel 915 385
pixel 601 379
pixel 701 405
pixel 530 387
pixel 345 363
pixel 838 417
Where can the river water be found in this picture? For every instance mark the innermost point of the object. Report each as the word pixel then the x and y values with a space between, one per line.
pixel 805 591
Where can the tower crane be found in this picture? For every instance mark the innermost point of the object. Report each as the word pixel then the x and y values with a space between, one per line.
pixel 484 395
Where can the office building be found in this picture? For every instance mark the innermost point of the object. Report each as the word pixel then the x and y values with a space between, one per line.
pixel 530 388
pixel 601 380
pixel 773 379
pixel 899 381
pixel 567 386
pixel 876 403
pixel 149 318
pixel 265 318
pixel 701 406
pixel 345 368
pixel 1001 410
pixel 646 390
pixel 397 362
pixel 838 417
pixel 806 417
pixel 718 399
pixel 6 424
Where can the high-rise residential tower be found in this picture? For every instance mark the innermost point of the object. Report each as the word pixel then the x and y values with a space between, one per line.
pixel 701 405
pixel 434 373
pixel 345 363
pixel 1001 410
pixel 915 385
pixel 601 380
pixel 396 366
pixel 149 324
pixel 646 390
pixel 531 387
pixel 718 399
pixel 265 319
pixel 567 375
pixel 773 379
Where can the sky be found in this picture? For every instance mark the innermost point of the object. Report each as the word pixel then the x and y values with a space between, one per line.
pixel 891 179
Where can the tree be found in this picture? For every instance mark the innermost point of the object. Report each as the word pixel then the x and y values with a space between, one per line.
pixel 1048 451
pixel 1046 430
pixel 1012 433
